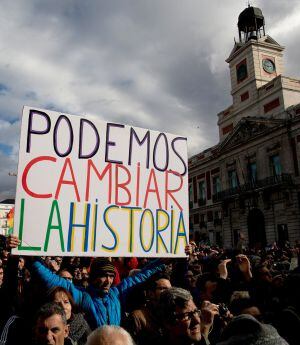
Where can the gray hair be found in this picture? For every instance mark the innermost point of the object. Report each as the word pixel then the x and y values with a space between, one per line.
pixel 172 298
pixel 106 335
pixel 50 309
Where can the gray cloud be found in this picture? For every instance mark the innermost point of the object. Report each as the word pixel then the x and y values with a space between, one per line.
pixel 158 64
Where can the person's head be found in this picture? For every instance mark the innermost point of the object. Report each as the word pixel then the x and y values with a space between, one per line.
pixel 5 255
pixel 21 263
pixel 109 335
pixel 51 325
pixel 196 268
pixel 189 279
pixel 181 318
pixel 245 306
pixel 58 260
pixel 64 273
pixel 76 261
pixel 245 329
pixel 77 274
pixel 1 275
pixel 62 297
pixel 84 273
pixel 207 285
pixel 158 283
pixel 102 274
pixel 262 273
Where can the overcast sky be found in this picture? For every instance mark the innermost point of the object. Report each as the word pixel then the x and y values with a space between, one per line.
pixel 158 64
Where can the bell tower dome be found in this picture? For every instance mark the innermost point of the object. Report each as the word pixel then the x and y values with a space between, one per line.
pixel 251 24
pixel 256 69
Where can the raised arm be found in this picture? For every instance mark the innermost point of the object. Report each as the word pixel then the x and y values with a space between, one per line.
pixel 50 279
pixel 146 272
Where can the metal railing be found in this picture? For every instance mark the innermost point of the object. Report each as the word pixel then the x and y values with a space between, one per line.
pixel 270 181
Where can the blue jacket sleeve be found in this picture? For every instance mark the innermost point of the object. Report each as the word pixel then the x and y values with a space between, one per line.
pixel 140 277
pixel 51 280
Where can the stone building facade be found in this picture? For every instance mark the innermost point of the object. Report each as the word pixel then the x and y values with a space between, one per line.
pixel 248 185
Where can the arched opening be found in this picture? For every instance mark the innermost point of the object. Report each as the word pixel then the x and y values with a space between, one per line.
pixel 256 229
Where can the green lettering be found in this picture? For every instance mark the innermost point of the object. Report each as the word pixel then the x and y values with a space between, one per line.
pixel 51 227
pixel 21 247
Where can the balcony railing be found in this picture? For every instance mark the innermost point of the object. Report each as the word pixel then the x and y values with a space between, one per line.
pixel 270 181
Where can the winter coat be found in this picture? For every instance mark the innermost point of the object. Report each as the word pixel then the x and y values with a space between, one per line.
pixel 78 329
pixel 105 309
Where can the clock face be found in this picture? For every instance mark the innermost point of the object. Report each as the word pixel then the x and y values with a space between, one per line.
pixel 268 66
pixel 241 72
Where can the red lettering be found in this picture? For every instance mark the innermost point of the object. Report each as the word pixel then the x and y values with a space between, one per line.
pixel 26 171
pixel 122 186
pixel 71 182
pixel 169 192
pixel 100 177
pixel 149 190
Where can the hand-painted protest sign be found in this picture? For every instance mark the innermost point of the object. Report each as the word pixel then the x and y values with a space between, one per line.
pixel 93 188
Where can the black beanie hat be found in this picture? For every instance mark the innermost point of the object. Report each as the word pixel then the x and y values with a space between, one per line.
pixel 99 267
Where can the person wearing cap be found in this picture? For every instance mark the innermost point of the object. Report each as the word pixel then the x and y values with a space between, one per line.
pixel 101 302
pixel 245 329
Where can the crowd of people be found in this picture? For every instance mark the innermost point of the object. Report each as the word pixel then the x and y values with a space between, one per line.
pixel 213 296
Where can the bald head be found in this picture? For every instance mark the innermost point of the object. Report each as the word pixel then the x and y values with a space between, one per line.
pixel 110 335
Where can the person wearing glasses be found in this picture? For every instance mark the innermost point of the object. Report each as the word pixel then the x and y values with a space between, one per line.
pixel 181 319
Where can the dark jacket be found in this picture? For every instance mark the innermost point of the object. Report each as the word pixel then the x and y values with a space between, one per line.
pixel 99 310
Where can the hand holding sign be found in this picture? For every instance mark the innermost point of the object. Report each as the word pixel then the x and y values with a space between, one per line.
pixel 12 241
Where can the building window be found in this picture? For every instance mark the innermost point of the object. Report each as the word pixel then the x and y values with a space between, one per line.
pixel 196 218
pixel 275 165
pixel 202 192
pixel 252 172
pixel 241 71
pixel 191 223
pixel 210 216
pixel 244 96
pixel 202 221
pixel 227 129
pixel 216 185
pixel 233 179
pixel 271 105
pixel 190 193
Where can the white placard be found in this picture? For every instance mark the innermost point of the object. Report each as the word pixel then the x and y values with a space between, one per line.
pixel 87 187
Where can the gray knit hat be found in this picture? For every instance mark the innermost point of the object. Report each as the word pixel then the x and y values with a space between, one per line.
pixel 246 330
pixel 99 267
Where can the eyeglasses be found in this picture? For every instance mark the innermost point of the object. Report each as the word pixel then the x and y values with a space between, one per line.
pixel 188 315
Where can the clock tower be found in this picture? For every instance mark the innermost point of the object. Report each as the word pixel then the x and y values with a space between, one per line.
pixel 258 87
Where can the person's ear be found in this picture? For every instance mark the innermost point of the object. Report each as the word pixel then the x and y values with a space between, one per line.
pixel 67 331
